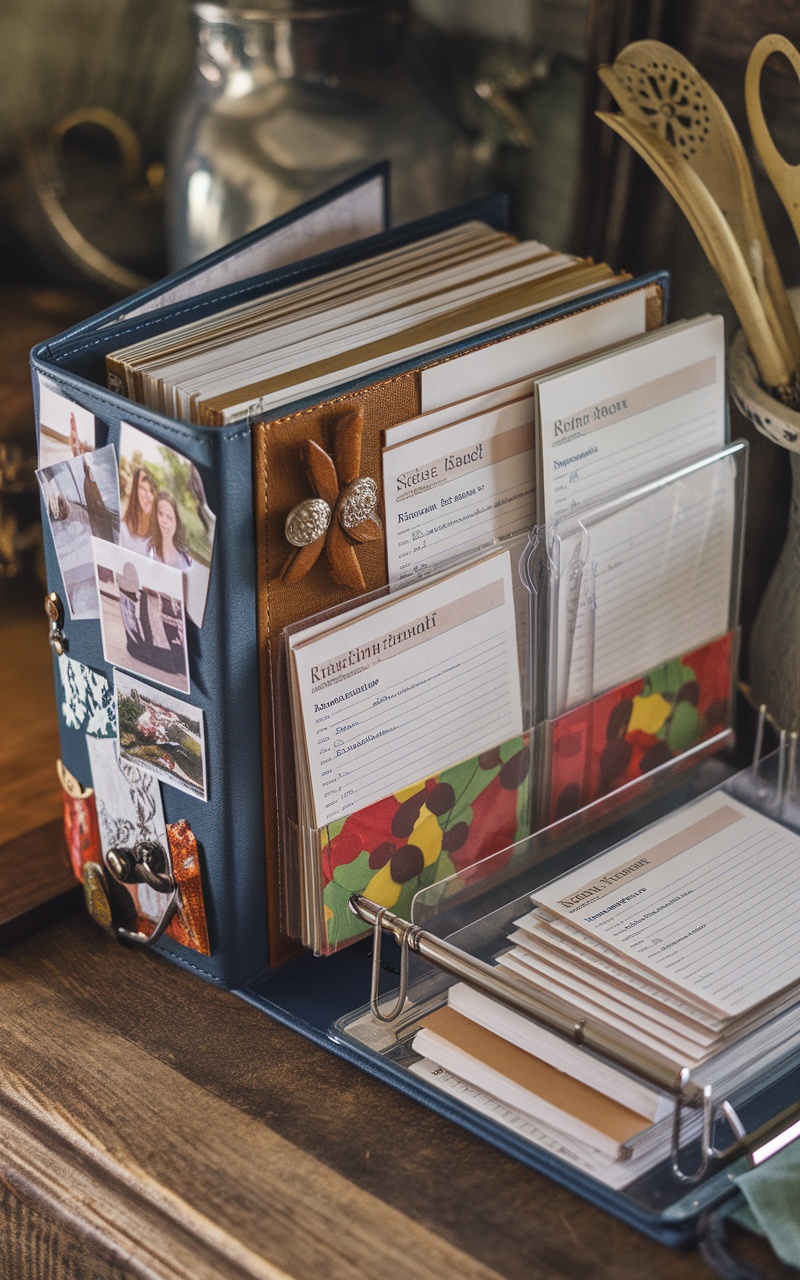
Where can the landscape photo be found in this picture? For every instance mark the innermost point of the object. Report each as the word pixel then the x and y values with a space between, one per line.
pixel 161 734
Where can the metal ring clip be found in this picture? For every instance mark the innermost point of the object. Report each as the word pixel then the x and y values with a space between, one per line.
pixel 708 1151
pixel 759 1143
pixel 374 993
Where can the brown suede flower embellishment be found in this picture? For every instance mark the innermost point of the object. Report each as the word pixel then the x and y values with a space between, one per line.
pixel 342 514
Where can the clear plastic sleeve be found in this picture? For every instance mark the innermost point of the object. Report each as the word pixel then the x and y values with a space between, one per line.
pixel 715 1114
pixel 388 787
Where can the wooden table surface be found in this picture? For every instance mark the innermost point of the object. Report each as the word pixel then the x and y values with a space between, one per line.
pixel 153 1126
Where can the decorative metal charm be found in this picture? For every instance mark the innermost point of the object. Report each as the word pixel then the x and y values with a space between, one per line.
pixel 96 896
pixel 307 521
pixel 358 502
pixel 54 608
pixel 154 866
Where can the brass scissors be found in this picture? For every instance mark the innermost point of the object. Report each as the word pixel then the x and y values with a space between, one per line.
pixel 785 177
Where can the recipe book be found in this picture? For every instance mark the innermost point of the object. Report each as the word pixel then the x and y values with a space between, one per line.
pixel 202 671
pixel 306 339
pixel 249 475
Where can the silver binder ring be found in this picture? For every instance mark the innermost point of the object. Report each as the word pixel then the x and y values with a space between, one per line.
pixel 707 1147
pixel 374 995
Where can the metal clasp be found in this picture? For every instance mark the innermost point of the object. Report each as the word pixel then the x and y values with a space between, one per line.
pixel 146 863
pixel 150 939
pixel 54 608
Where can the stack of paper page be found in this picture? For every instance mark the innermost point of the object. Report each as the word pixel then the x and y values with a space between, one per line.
pixel 679 944
pixel 341 325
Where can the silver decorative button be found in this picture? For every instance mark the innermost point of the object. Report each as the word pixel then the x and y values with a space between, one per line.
pixel 358 503
pixel 307 521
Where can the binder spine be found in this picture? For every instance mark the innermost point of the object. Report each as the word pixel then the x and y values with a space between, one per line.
pixel 223 665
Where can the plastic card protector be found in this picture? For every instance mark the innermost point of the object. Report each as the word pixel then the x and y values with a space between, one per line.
pixel 395 766
pixel 758 1079
pixel 638 603
pixel 420 734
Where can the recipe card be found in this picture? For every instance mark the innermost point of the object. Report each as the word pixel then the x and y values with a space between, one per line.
pixel 707 900
pixel 460 410
pixel 459 488
pixel 642 581
pixel 609 423
pixel 405 688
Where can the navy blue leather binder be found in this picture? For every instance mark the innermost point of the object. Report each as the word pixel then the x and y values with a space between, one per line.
pixel 309 994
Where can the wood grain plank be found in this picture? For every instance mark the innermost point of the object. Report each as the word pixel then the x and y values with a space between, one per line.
pixel 29 790
pixel 509 1218
pixel 34 1245
pixel 95 1123
pixel 36 881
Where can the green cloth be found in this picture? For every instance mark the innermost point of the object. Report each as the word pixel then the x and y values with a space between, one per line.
pixel 772 1192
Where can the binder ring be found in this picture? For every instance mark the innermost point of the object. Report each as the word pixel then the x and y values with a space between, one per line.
pixel 374 994
pixel 708 1151
pixel 691 1179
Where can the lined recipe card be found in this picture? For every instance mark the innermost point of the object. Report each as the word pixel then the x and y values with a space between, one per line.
pixel 706 899
pixel 642 583
pixel 407 687
pixel 459 488
pixel 611 422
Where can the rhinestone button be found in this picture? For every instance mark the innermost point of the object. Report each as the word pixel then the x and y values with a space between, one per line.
pixel 358 502
pixel 307 521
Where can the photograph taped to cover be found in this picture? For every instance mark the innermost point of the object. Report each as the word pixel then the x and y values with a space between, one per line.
pixel 142 615
pixel 165 514
pixel 161 734
pixel 65 429
pixel 81 499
